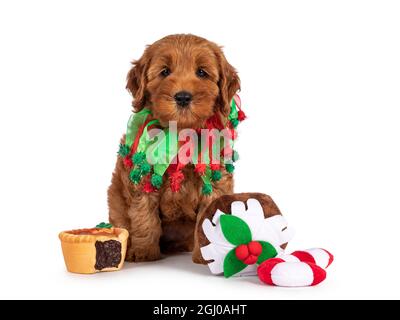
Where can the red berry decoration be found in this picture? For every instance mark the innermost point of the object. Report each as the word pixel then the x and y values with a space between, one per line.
pixel 248 253
pixel 242 252
pixel 255 248
pixel 250 259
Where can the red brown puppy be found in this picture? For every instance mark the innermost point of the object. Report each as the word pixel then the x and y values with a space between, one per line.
pixel 187 79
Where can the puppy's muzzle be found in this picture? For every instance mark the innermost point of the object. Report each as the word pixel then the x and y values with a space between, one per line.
pixel 183 98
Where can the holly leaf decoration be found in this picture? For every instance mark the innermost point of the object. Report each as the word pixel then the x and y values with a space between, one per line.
pixel 235 230
pixel 104 225
pixel 232 264
pixel 268 252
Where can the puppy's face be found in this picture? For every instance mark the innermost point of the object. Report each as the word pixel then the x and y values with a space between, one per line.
pixel 183 78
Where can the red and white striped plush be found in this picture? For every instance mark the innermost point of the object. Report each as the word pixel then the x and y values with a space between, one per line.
pixel 318 256
pixel 299 269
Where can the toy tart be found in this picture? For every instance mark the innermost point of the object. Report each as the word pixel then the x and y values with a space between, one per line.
pixel 94 250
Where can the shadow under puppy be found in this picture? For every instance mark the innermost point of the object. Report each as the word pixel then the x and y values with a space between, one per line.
pixel 186 79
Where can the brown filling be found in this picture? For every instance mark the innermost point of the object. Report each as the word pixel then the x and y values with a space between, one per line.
pixel 108 254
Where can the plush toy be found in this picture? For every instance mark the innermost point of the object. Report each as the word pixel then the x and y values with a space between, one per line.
pixel 299 269
pixel 94 250
pixel 245 234
pixel 241 240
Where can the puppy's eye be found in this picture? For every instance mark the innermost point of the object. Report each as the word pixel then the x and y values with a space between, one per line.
pixel 165 72
pixel 201 73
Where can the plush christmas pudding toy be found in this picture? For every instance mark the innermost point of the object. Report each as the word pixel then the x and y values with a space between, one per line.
pixel 245 234
pixel 239 231
pixel 93 250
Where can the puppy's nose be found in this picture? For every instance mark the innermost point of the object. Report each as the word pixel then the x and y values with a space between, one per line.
pixel 183 98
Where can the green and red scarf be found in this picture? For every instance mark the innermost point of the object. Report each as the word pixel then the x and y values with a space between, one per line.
pixel 165 151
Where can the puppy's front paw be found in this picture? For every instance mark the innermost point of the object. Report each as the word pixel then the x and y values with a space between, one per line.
pixel 197 258
pixel 143 254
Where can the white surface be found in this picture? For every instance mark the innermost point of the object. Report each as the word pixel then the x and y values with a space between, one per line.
pixel 320 85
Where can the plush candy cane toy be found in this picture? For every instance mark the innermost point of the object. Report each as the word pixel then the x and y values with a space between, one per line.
pixel 246 243
pixel 299 269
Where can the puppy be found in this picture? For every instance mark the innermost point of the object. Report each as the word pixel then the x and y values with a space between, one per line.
pixel 187 79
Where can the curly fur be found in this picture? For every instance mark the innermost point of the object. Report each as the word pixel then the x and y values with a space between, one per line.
pixel 164 221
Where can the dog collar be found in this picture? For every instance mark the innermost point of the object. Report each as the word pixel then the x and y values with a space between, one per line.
pixel 165 152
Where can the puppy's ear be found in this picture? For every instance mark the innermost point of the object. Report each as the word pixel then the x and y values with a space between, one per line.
pixel 229 84
pixel 137 82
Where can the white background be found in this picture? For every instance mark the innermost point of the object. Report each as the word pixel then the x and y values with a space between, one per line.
pixel 320 85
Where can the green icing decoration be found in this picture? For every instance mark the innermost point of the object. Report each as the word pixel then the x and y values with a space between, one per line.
pixel 104 225
pixel 232 264
pixel 135 176
pixel 235 230
pixel 230 167
pixel 268 252
pixel 216 175
pixel 123 150
pixel 138 157
pixel 207 188
pixel 145 168
pixel 156 180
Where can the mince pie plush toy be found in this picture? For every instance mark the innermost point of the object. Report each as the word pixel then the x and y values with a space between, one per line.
pixel 245 234
pixel 93 250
